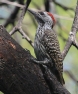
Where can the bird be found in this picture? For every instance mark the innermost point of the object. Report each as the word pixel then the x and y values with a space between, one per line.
pixel 46 44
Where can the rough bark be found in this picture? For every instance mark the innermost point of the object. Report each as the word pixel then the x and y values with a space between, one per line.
pixel 18 75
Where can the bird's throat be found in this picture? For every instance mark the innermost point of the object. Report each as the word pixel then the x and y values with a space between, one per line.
pixel 41 30
pixel 43 27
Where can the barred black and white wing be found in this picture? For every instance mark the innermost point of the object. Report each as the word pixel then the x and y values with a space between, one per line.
pixel 52 48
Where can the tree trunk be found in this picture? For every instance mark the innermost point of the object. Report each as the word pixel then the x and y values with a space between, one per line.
pixel 18 75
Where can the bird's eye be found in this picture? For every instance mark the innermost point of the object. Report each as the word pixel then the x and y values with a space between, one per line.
pixel 41 13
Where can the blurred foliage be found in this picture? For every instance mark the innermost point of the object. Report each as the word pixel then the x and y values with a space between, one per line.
pixel 1 93
pixel 62 27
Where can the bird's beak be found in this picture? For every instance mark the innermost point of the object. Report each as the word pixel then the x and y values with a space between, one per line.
pixel 36 14
pixel 33 12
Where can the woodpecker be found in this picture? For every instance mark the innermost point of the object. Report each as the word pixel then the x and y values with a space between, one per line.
pixel 46 45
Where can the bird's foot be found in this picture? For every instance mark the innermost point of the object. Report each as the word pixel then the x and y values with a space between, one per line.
pixel 44 62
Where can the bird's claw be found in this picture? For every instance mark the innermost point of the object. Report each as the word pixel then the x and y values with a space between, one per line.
pixel 45 62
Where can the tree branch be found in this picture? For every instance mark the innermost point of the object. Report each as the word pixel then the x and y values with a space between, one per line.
pixel 72 39
pixel 13 15
pixel 12 3
pixel 19 24
pixel 62 6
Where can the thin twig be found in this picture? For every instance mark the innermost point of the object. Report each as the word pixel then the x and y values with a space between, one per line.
pixel 26 37
pixel 12 3
pixel 63 17
pixel 12 17
pixel 19 24
pixel 72 39
pixel 63 7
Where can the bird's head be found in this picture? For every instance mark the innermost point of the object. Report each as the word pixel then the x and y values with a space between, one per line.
pixel 43 17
